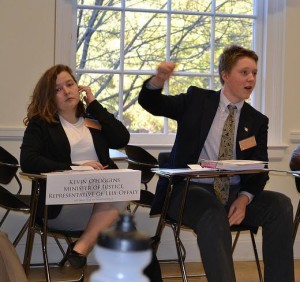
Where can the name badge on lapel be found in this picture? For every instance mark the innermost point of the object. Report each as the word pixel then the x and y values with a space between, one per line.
pixel 92 123
pixel 247 143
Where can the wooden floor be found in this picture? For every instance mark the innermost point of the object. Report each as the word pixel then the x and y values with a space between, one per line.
pixel 245 272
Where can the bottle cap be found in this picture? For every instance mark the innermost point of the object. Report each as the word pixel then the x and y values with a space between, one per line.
pixel 124 237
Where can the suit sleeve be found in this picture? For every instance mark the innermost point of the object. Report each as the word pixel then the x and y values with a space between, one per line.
pixel 255 183
pixel 36 154
pixel 157 104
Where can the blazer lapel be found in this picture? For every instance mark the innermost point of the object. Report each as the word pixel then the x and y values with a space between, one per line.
pixel 60 140
pixel 246 123
pixel 209 111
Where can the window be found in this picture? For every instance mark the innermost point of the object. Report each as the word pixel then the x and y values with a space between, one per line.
pixel 118 43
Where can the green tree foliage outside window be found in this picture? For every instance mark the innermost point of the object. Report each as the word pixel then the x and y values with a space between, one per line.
pixel 120 43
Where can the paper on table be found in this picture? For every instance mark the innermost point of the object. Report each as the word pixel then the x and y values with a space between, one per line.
pixel 175 171
pixel 82 167
pixel 234 164
pixel 199 167
pixel 88 171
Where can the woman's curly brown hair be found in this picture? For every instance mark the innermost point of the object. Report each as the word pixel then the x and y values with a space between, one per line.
pixel 43 103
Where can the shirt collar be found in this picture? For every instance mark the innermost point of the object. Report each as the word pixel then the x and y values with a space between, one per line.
pixel 224 102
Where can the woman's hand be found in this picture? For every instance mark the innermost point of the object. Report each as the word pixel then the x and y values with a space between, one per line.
pixel 95 165
pixel 89 97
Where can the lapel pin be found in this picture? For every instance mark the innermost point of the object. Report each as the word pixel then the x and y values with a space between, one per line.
pixel 246 129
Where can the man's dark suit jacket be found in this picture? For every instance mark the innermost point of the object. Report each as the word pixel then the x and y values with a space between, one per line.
pixel 194 112
pixel 46 148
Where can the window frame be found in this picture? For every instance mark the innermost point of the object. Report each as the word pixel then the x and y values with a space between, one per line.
pixel 269 44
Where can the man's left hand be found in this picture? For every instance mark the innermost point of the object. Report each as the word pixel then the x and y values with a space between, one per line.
pixel 237 210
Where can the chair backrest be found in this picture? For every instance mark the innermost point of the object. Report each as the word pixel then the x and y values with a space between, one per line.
pixel 139 159
pixel 8 166
pixel 163 158
pixel 139 155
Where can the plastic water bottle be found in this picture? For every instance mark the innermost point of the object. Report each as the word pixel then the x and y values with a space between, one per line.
pixel 122 253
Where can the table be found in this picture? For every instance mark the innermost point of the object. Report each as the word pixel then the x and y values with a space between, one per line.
pixel 187 174
pixel 117 155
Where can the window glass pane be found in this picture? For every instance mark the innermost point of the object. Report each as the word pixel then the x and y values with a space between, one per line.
pixel 149 4
pixel 180 84
pixel 145 40
pixel 230 31
pixel 111 3
pixel 242 7
pixel 192 5
pixel 133 114
pixel 172 126
pixel 144 123
pixel 135 118
pixel 217 84
pixel 98 39
pixel 190 42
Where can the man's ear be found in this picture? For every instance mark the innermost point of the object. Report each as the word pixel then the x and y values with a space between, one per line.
pixel 224 75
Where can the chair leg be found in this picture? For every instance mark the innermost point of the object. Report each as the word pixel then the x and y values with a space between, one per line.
pixel 254 251
pixel 59 245
pixel 180 244
pixel 236 238
pixel 180 253
pixel 135 209
pixel 21 233
pixel 256 257
pixel 45 255
pixel 4 217
pixel 46 261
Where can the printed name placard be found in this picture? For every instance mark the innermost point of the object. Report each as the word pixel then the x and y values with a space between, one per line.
pixel 79 187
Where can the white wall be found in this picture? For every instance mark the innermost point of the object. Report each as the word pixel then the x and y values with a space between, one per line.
pixel 26 51
pixel 27 31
